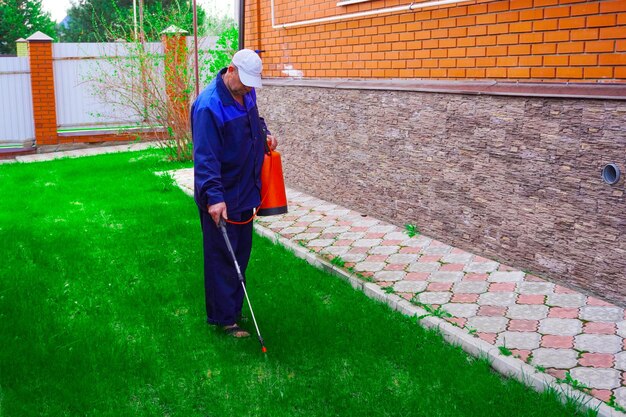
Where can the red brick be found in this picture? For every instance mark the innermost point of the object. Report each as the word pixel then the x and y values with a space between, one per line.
pixel 464 298
pixel 559 342
pixel 494 311
pixel 597 360
pixel 530 299
pixel 523 325
pixel 599 328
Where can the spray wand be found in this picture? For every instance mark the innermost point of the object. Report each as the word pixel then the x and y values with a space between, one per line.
pixel 222 226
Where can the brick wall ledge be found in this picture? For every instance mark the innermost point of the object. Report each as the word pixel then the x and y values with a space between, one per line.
pixel 616 91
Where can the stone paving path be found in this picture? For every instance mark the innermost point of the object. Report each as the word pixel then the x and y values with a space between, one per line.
pixel 543 324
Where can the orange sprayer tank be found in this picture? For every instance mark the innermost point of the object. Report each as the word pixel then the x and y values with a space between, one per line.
pixel 273 195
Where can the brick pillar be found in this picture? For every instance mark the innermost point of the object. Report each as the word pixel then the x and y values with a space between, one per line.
pixel 176 76
pixel 42 87
pixel 22 47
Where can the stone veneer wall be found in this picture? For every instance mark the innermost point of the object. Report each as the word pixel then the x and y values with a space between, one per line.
pixel 515 179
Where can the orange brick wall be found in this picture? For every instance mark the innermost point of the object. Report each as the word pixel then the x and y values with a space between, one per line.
pixel 42 84
pixel 532 40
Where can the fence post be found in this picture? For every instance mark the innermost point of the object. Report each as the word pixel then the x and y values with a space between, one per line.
pixel 176 76
pixel 42 87
pixel 22 47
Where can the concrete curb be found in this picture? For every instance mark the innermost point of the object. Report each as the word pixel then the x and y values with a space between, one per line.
pixel 506 365
pixel 76 153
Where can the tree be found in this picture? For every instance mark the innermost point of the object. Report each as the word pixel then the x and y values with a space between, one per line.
pixel 20 19
pixel 110 20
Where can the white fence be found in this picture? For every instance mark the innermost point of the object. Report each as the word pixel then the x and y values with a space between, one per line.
pixel 88 84
pixel 81 103
pixel 16 104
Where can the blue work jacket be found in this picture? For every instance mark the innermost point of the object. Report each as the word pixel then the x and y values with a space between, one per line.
pixel 228 145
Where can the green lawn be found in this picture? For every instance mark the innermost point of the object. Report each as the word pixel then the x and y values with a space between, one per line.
pixel 102 314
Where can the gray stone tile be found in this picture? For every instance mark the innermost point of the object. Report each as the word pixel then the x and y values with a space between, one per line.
pixel 487 324
pixel 457 258
pixel 397 235
pixel 382 228
pixel 310 218
pixel 605 314
pixel 620 396
pixel 597 378
pixel 320 242
pixel 437 250
pixel 621 328
pixel 364 222
pixel 354 257
pixel 323 224
pixel 566 300
pixel 481 267
pixel 555 358
pixel 461 309
pixel 519 340
pixel 539 288
pixel 337 229
pixel 402 258
pixel 281 224
pixel 560 327
pixel 434 297
pixel 336 250
pixel 496 299
pixel 351 236
pixel 527 312
pixel 506 276
pixel 620 361
pixel 446 276
pixel 305 236
pixel 598 343
pixel 424 267
pixel 410 286
pixel 369 266
pixel 366 243
pixel 389 275
pixel 384 250
pixel 471 287
pixel 294 230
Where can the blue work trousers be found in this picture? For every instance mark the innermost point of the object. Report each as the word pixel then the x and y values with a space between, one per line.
pixel 223 291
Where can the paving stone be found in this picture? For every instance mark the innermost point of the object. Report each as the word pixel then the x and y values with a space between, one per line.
pixel 395 236
pixel 597 360
pixel 457 258
pixel 471 287
pixel 326 207
pixel 353 257
pixel 351 235
pixel 481 267
pixel 461 310
pixel 424 267
pixel 382 228
pixel 508 276
pixel 366 243
pixel 336 250
pixel 280 225
pixel 320 242
pixel 323 223
pixel 336 229
pixel 410 286
pixel 402 258
pixel 620 396
pixel 293 230
pixel 566 300
pixel 416 242
pixel 365 223
pixel 305 236
pixel 557 342
pixel 606 314
pixel 389 276
pixel 310 218
pixel 555 358
pixel 446 276
pixel 620 361
pixel 621 328
pixel 560 327
pixel 487 324
pixel 597 377
pixel 543 288
pixel 434 297
pixel 519 340
pixel 369 266
pixel 437 250
pixel 338 212
pixel 598 343
pixel 527 312
pixel 384 250
pixel 497 299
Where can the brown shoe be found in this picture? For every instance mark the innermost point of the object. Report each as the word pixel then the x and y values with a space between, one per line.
pixel 235 331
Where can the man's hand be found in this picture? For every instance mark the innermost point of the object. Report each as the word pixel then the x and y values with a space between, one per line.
pixel 217 211
pixel 272 142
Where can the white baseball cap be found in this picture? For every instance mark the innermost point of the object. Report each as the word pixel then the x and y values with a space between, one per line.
pixel 250 66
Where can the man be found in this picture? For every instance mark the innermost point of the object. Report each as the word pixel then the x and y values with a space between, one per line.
pixel 229 140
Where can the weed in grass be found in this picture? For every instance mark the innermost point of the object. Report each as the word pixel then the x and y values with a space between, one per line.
pixel 540 368
pixel 338 261
pixel 505 351
pixel 435 312
pixel 613 404
pixel 389 289
pixel 574 383
pixel 411 230
pixel 472 331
